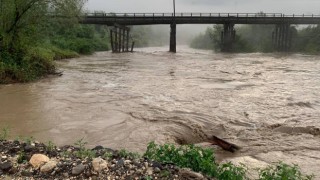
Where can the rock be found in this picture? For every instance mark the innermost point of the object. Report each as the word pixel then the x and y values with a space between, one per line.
pixel 6 166
pixel 150 171
pixel 120 163
pixel 48 167
pixel 98 148
pixel 127 162
pixel 28 148
pixel 157 165
pixel 139 172
pixel 157 170
pixel 78 169
pixel 4 157
pixel 26 173
pixel 66 175
pixel 188 174
pixel 37 160
pixel 146 164
pixel 99 164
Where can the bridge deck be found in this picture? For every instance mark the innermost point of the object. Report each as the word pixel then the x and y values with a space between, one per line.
pixel 197 18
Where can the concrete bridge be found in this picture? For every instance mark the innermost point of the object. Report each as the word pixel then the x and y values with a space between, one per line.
pixel 281 36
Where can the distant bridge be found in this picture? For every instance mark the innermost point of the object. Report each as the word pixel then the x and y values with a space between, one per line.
pixel 281 35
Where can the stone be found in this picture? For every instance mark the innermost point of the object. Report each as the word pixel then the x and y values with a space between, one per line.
pixel 99 164
pixel 120 163
pixel 97 148
pixel 190 175
pixel 37 160
pixel 150 171
pixel 127 162
pixel 28 148
pixel 66 175
pixel 26 173
pixel 146 164
pixel 48 167
pixel 157 170
pixel 6 166
pixel 157 165
pixel 78 169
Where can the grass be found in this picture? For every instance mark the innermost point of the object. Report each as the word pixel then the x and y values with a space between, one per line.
pixel 83 152
pixel 4 134
pixel 50 146
pixel 187 156
pixel 282 171
pixel 202 160
pixel 126 154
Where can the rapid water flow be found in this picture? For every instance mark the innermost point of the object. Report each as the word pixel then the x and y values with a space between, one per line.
pixel 269 104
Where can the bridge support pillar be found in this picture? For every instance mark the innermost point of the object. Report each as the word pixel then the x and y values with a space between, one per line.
pixel 227 37
pixel 173 37
pixel 282 37
pixel 119 39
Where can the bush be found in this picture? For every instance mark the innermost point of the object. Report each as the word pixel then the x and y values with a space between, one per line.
pixel 283 172
pixel 231 172
pixel 196 158
pixel 24 66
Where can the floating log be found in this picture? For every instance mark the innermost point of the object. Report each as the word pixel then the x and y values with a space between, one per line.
pixel 223 144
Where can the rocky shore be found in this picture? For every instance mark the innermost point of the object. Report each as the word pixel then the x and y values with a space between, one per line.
pixel 35 160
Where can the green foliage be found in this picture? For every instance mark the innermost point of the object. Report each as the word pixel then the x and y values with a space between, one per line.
pixel 164 173
pixel 188 156
pixel 126 154
pixel 203 161
pixel 231 172
pixel 22 158
pixel 283 172
pixel 28 140
pixel 4 134
pixel 307 40
pixel 24 66
pixel 204 41
pixel 83 152
pixel 212 40
pixel 30 39
pixel 50 146
pixel 107 155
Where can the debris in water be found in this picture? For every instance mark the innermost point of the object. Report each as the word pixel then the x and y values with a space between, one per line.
pixel 224 144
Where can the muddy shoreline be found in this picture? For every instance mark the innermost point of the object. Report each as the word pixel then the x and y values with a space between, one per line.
pixel 35 160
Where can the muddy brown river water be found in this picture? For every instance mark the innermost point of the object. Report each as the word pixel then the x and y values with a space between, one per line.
pixel 269 104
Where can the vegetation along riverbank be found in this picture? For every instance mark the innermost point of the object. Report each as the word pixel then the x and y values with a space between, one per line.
pixel 25 158
pixel 33 33
pixel 258 38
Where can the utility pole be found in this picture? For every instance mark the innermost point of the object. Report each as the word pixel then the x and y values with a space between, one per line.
pixel 173 30
pixel 174 9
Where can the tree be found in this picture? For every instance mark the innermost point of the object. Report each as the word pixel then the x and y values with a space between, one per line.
pixel 22 17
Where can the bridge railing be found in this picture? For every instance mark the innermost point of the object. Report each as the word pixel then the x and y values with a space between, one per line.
pixel 133 15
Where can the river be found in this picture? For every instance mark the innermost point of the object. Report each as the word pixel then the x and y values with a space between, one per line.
pixel 268 104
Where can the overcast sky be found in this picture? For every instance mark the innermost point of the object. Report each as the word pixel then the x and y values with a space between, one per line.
pixel 241 6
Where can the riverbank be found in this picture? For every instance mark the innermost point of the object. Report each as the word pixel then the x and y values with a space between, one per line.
pixel 34 160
